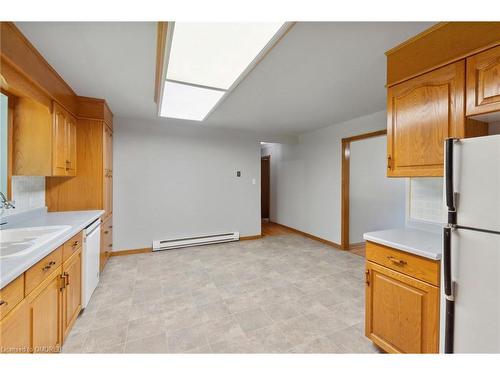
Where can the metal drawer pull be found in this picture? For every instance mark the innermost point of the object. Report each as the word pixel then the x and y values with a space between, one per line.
pixel 2 302
pixel 48 266
pixel 106 232
pixel 66 277
pixel 75 244
pixel 397 261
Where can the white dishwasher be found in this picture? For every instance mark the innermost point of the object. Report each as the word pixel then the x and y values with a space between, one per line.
pixel 90 260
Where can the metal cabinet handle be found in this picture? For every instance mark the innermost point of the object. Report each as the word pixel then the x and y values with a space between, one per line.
pixel 110 245
pixel 75 244
pixel 2 302
pixel 367 277
pixel 389 162
pixel 63 278
pixel 106 232
pixel 48 266
pixel 66 278
pixel 397 261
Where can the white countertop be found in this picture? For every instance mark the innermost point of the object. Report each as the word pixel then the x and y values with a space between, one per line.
pixel 419 242
pixel 10 268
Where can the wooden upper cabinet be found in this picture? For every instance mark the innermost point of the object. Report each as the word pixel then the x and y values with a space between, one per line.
pixel 44 140
pixel 108 172
pixel 483 82
pixel 64 143
pixel 421 113
pixel 71 145
pixel 402 313
pixel 59 142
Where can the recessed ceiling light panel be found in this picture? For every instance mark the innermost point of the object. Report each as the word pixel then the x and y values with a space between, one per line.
pixel 215 54
pixel 188 102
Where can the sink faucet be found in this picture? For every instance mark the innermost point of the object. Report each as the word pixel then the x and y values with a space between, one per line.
pixel 4 203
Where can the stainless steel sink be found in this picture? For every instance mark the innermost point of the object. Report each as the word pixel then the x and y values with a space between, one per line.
pixel 21 241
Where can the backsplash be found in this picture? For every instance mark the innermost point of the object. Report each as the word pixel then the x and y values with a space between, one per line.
pixel 426 199
pixel 28 192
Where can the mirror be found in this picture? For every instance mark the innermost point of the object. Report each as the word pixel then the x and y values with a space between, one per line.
pixel 4 146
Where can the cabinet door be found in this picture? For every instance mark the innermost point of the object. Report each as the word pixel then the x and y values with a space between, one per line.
pixel 106 241
pixel 483 82
pixel 402 313
pixel 59 142
pixel 71 145
pixel 45 311
pixel 421 114
pixel 15 330
pixel 72 292
pixel 108 172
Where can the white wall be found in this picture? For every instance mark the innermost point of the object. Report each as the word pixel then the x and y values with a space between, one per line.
pixel 172 181
pixel 306 177
pixel 376 201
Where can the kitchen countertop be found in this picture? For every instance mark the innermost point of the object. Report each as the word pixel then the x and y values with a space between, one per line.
pixel 419 242
pixel 10 268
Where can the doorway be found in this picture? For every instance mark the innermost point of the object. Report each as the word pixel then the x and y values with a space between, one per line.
pixel 370 200
pixel 265 187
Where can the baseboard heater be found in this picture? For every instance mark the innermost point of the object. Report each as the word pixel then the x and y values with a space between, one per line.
pixel 176 243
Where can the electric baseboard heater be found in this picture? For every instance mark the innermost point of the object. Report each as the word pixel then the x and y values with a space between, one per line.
pixel 176 243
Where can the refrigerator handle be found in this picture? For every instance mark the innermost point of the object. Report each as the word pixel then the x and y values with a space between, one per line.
pixel 450 191
pixel 447 261
pixel 449 331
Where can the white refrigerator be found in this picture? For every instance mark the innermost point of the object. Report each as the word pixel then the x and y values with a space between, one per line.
pixel 470 300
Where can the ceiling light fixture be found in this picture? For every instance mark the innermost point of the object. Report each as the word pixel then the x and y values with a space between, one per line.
pixel 206 61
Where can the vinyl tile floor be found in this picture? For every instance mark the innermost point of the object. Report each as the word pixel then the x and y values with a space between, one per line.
pixel 279 294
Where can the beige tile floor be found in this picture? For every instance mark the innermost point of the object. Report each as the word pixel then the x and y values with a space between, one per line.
pixel 281 294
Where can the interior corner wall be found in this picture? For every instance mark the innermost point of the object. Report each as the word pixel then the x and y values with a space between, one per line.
pixel 306 177
pixel 171 181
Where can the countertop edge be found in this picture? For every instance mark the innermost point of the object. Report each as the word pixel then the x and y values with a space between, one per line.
pixel 45 250
pixel 403 247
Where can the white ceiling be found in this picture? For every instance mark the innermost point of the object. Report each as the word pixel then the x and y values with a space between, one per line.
pixel 320 73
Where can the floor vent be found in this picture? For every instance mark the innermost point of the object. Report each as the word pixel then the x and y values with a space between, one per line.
pixel 176 243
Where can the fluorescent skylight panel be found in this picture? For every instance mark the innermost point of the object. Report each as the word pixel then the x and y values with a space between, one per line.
pixel 188 102
pixel 216 54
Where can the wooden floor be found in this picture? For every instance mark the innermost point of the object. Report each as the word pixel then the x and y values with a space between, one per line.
pixel 272 229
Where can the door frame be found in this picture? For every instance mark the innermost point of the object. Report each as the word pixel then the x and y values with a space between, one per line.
pixel 266 157
pixel 346 169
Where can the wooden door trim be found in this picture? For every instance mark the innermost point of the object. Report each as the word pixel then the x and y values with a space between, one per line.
pixel 346 169
pixel 267 157
pixel 161 49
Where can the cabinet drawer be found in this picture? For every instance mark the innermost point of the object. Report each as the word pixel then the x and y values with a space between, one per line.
pixel 409 264
pixel 11 295
pixel 72 245
pixel 36 274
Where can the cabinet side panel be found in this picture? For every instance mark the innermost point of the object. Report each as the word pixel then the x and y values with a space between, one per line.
pixel 84 191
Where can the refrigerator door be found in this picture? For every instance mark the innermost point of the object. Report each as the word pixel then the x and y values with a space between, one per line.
pixel 476 177
pixel 475 270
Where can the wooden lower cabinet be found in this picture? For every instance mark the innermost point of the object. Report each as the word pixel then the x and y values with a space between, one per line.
pixel 45 315
pixel 15 330
pixel 72 291
pixel 402 313
pixel 106 241
pixel 42 316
